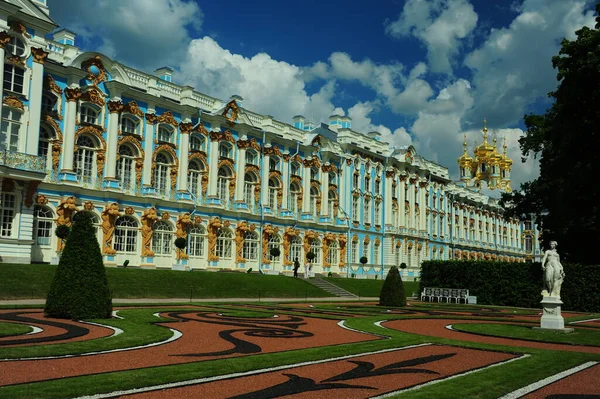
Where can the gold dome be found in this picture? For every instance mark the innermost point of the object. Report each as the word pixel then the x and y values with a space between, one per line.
pixel 506 161
pixel 465 159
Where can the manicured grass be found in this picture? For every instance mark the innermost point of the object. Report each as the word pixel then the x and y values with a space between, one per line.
pixel 33 281
pixel 578 337
pixel 7 329
pixel 368 288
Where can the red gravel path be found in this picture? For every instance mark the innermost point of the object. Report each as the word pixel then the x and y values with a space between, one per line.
pixel 197 337
pixel 437 328
pixel 586 382
pixel 305 381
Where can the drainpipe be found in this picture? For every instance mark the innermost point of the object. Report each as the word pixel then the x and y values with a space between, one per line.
pixel 194 198
pixel 349 233
pixel 262 209
pixel 291 157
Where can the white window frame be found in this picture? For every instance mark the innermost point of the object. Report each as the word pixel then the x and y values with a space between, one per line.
pixel 197 242
pixel 8 214
pixel 89 113
pixel 250 246
pixel 10 134
pixel 224 249
pixel 12 74
pixel 126 235
pixel 162 238
pixel 43 225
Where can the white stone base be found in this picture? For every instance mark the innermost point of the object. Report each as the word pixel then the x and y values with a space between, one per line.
pixel 551 317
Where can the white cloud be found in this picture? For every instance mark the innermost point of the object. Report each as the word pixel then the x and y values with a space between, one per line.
pixel 361 122
pixel 146 34
pixel 440 25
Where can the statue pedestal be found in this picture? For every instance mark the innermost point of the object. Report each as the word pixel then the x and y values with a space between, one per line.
pixel 551 319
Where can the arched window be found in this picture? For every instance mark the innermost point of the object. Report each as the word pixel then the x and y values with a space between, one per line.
pixel 7 213
pixel 355 178
pixel 49 101
pixel 44 142
pixel 125 167
pixel 225 150
pixel 251 157
pixel 332 178
pixel 376 253
pixel 250 181
pixel 366 251
pixel 295 191
pixel 223 177
pixel 197 143
pixel 166 134
pixel 331 202
pixel 88 113
pixel 224 244
pixel 197 241
pixel 273 163
pixel 161 172
pixel 315 248
pixel 162 238
pixel 314 174
pixel 16 46
pixel 13 78
pixel 397 257
pixel 273 187
pixel 367 211
pixel 354 251
pixel 377 213
pixel 129 125
pixel 332 255
pixel 295 169
pixel 355 210
pixel 43 220
pixel 367 183
pixel 314 196
pixel 395 215
pixel 274 242
pixel 296 249
pixel 126 231
pixel 250 247
pixel 11 126
pixel 85 157
pixel 195 170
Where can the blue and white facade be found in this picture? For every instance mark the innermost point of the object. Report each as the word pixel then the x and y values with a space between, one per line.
pixel 155 161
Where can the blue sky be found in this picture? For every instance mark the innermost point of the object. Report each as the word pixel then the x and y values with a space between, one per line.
pixel 421 72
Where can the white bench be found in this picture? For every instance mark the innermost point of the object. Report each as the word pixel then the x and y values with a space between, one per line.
pixel 449 294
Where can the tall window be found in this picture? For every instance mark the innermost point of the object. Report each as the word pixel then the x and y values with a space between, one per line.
pixel 126 231
pixel 195 178
pixel 223 178
pixel 273 187
pixel 128 125
pixel 7 214
pixel 314 174
pixel 197 143
pixel 314 196
pixel 528 225
pixel 273 163
pixel 49 101
pixel 84 159
pixel 332 255
pixel 367 183
pixel 331 202
pixel 355 179
pixel 274 242
pixel 249 183
pixel 366 251
pixel 125 168
pixel 224 244
pixel 528 244
pixel 197 241
pixel 161 173
pixel 295 191
pixel 13 78
pixel 16 46
pixel 11 125
pixel 367 211
pixel 296 249
pixel 42 221
pixel 354 252
pixel 377 213
pixel 377 187
pixel 166 134
pixel 88 114
pixel 44 143
pixel 332 178
pixel 251 157
pixel 225 150
pixel 315 248
pixel 355 210
pixel 376 253
pixel 295 169
pixel 162 238
pixel 250 247
pixel 395 216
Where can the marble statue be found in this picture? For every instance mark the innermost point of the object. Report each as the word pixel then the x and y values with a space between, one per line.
pixel 554 274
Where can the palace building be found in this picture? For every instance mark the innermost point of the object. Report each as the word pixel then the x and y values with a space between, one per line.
pixel 155 161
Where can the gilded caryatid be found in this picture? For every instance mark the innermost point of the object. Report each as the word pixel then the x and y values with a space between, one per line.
pixel 487 166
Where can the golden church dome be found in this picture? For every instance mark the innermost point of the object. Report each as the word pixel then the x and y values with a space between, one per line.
pixel 465 159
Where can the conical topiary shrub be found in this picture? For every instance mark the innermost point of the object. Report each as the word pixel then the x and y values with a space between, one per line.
pixel 80 289
pixel 392 291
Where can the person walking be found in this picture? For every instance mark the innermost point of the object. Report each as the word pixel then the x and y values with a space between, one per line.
pixel 296 267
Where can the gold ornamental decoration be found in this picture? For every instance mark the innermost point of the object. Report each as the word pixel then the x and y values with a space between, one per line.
pixel 39 55
pixel 109 216
pixel 327 240
pixel 56 151
pixel 312 162
pixel 65 210
pixel 182 225
pixel 88 205
pixel 100 160
pixel 115 107
pixel 151 119
pixel 240 236
pixel 167 118
pixel 200 129
pixel 169 150
pixel 18 26
pixel 13 102
pixel 297 158
pixel 50 85
pixel 98 76
pixel 342 240
pixel 149 217
pixel 41 199
pixel 129 211
pixel 267 233
pixel 273 150
pixel 251 143
pixel 31 189
pixel 185 127
pixel 231 111
pixel 165 216
pixel 133 141
pixel 94 96
pixel 308 237
pixel 214 227
pixel 133 109
pixel 288 234
pixel 91 130
pixel 5 38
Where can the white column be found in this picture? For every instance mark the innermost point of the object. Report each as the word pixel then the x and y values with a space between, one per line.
pixel 401 202
pixel 35 105
pixel 184 146
pixel 342 173
pixel 240 171
pixel 306 190
pixel 72 94
pixel 411 204
pixel 148 142
pixel 114 107
pixel 286 182
pixel 325 191
pixel 2 44
pixel 387 201
pixel 423 203
pixel 214 164
pixel 264 182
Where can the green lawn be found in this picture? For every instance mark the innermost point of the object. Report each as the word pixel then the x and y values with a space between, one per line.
pixel 7 329
pixel 33 281
pixel 368 288
pixel 578 337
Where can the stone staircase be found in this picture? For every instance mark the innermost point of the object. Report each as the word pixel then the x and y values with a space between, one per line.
pixel 332 289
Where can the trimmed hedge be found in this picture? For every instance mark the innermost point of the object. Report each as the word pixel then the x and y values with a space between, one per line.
pixel 80 289
pixel 392 291
pixel 514 284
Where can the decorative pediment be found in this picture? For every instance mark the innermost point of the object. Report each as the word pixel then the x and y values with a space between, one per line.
pixel 231 111
pixel 96 71
pixel 133 109
pixel 167 117
pixel 95 96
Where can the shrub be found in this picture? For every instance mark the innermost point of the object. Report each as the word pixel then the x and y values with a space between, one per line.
pixel 181 243
pixel 364 260
pixel 62 231
pixel 275 252
pixel 310 256
pixel 392 291
pixel 249 270
pixel 329 274
pixel 80 288
pixel 403 265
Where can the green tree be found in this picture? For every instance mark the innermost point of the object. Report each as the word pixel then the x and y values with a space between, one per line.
pixel 392 291
pixel 80 289
pixel 566 138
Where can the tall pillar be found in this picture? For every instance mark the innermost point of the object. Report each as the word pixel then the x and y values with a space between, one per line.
pixel 213 156
pixel 184 145
pixel 325 191
pixel 72 94
pixel 423 187
pixel 411 204
pixel 115 106
pixel 387 202
pixel 35 102
pixel 240 168
pixel 286 183
pixel 401 201
pixel 342 190
pixel 264 180
pixel 306 189
pixel 151 120
pixel 4 40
